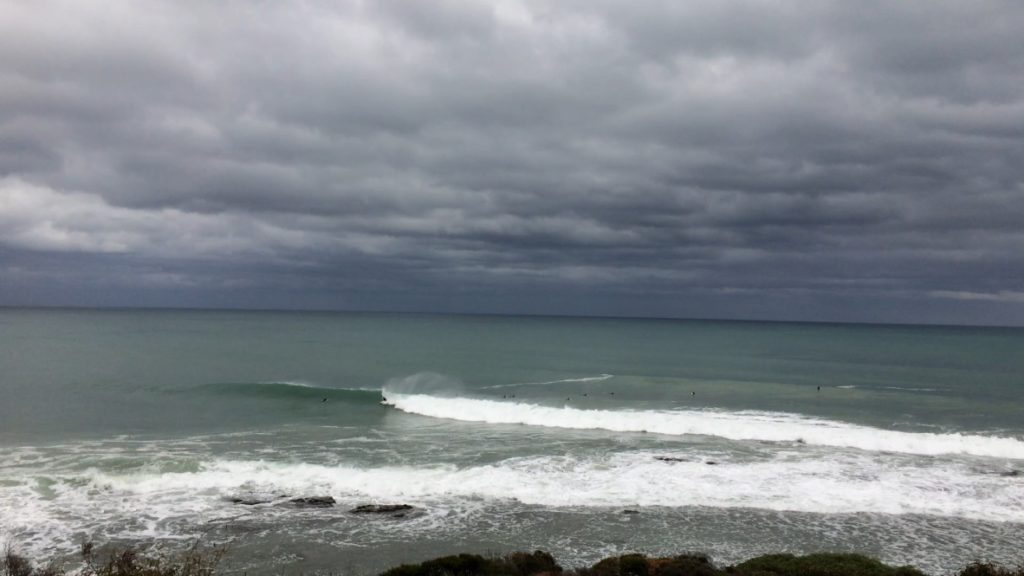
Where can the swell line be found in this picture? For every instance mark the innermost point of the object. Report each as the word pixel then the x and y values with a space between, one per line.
pixel 600 378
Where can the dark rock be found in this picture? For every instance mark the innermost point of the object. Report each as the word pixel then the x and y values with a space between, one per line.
pixel 670 459
pixel 314 501
pixel 252 499
pixel 247 501
pixel 382 509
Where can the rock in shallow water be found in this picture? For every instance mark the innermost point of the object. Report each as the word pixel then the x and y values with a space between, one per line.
pixel 248 501
pixel 393 510
pixel 314 501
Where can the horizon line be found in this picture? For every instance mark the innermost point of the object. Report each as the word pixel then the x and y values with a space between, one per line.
pixel 126 308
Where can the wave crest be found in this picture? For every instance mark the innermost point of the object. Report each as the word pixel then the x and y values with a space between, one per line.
pixel 738 425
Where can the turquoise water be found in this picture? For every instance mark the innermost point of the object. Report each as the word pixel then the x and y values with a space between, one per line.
pixel 508 433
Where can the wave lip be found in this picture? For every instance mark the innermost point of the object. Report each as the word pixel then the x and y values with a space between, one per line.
pixel 739 425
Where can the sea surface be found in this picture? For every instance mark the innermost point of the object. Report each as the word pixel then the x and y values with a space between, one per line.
pixel 585 437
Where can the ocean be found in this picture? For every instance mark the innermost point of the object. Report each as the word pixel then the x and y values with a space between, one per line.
pixel 585 437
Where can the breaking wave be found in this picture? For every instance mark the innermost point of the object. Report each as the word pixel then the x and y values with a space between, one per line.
pixel 737 425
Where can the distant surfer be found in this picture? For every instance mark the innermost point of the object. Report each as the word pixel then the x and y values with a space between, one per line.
pixel 324 400
pixel 693 393
pixel 819 388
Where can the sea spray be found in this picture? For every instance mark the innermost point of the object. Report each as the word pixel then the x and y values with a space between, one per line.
pixel 432 383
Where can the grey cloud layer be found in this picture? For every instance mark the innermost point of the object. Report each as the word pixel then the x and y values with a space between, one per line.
pixel 632 156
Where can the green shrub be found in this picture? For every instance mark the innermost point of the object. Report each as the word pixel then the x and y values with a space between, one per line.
pixel 685 565
pixel 459 565
pixel 821 565
pixel 129 562
pixel 16 565
pixel 515 564
pixel 525 564
pixel 627 565
pixel 986 569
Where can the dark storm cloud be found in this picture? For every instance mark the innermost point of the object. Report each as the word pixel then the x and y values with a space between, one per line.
pixel 830 160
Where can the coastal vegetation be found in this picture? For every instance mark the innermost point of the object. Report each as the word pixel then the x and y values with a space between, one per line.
pixel 197 561
pixel 543 564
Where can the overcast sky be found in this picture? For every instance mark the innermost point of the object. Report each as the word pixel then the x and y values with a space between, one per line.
pixel 815 160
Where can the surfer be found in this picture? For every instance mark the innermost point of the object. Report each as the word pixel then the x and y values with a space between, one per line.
pixel 324 400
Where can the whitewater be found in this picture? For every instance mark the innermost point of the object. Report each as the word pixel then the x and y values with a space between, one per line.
pixel 584 437
pixel 739 425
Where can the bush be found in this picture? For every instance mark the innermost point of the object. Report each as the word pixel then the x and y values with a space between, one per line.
pixel 128 562
pixel 986 569
pixel 685 565
pixel 515 564
pixel 539 562
pixel 627 565
pixel 821 565
pixel 15 565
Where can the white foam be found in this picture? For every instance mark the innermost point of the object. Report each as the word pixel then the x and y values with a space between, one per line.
pixel 839 483
pixel 740 425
